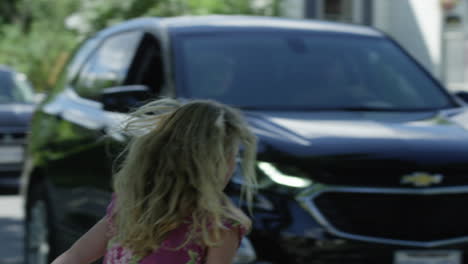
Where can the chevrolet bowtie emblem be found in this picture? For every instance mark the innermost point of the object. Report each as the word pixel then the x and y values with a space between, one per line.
pixel 422 179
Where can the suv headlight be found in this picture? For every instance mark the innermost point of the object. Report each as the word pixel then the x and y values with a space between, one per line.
pixel 280 177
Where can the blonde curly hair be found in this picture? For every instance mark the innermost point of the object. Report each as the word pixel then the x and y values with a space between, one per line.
pixel 175 167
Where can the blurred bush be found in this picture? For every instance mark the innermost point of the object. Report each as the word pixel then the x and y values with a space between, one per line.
pixel 37 36
pixel 34 38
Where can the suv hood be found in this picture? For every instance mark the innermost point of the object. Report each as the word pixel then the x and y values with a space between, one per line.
pixel 15 115
pixel 340 144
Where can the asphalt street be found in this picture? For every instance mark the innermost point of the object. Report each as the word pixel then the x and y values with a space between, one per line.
pixel 11 230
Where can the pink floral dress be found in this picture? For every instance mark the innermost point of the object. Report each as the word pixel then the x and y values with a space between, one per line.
pixel 191 253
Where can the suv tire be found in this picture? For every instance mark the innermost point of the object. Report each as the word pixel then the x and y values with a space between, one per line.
pixel 39 229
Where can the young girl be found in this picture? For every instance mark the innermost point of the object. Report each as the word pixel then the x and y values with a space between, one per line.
pixel 169 205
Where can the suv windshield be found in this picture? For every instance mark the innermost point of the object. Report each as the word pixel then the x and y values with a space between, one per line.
pixel 14 88
pixel 302 70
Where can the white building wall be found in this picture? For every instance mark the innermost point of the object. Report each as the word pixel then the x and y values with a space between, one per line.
pixel 456 49
pixel 293 8
pixel 417 26
pixel 358 15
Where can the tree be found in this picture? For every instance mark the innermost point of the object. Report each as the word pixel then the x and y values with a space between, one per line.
pixel 37 40
pixel 104 13
pixel 35 37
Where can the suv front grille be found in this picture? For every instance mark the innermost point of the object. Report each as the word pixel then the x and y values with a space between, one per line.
pixel 12 138
pixel 409 217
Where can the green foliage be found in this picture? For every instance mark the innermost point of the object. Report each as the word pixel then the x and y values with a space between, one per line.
pixel 35 39
pixel 104 13
pixel 8 9
pixel 35 53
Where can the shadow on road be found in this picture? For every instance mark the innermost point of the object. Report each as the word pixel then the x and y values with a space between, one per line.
pixel 11 230
pixel 11 237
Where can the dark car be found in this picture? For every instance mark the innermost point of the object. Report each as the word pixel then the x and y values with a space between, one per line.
pixel 16 108
pixel 362 154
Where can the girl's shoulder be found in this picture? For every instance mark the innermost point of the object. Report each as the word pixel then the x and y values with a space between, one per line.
pixel 237 221
pixel 110 212
pixel 237 227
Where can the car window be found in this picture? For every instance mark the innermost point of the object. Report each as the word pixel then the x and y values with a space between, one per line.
pixel 80 57
pixel 147 67
pixel 302 70
pixel 15 88
pixel 108 65
pixel 24 90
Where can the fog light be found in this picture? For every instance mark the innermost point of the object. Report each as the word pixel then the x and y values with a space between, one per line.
pixel 245 253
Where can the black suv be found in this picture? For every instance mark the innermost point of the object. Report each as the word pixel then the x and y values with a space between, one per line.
pixel 362 155
pixel 16 108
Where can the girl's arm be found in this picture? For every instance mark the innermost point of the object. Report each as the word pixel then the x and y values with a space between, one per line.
pixel 225 252
pixel 90 247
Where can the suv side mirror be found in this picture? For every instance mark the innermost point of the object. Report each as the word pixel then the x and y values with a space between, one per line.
pixel 39 97
pixel 463 95
pixel 124 98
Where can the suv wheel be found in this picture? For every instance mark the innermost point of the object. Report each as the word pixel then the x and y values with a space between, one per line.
pixel 38 229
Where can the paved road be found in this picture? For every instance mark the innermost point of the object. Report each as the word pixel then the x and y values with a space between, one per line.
pixel 11 230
